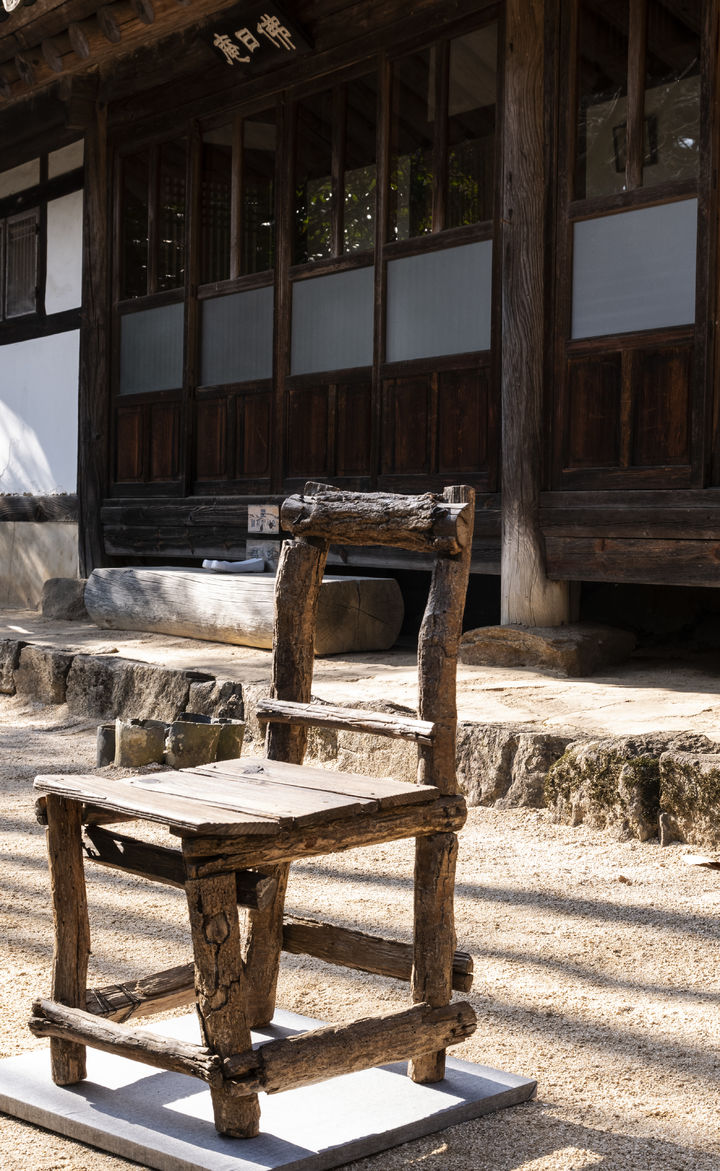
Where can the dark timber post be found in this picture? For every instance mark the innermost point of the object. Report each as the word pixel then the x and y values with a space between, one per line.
pixel 93 390
pixel 527 596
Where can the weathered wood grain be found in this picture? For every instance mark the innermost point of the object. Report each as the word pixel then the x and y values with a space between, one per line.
pixel 384 790
pixel 209 854
pixel 349 719
pixel 423 523
pixel 135 798
pixel 365 953
pixel 72 930
pixel 339 1049
pixel 354 613
pixel 527 596
pixel 73 1026
pixel 160 864
pixel 220 986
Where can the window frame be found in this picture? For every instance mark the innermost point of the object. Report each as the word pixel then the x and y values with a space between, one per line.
pixel 35 322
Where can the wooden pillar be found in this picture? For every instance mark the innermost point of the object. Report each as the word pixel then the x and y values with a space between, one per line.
pixel 94 381
pixel 220 992
pixel 299 576
pixel 436 854
pixel 527 596
pixel 72 929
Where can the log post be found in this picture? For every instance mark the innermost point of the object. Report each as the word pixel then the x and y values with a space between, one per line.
pixel 94 381
pixel 297 590
pixel 436 854
pixel 527 595
pixel 72 929
pixel 220 992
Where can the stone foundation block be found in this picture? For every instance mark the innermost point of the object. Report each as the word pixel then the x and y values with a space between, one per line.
pixel 222 700
pixel 690 796
pixel 10 649
pixel 64 598
pixel 100 686
pixel 578 650
pixel 42 673
pixel 615 782
pixel 505 764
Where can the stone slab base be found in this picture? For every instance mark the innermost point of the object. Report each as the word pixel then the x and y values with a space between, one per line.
pixel 164 1120
pixel 575 650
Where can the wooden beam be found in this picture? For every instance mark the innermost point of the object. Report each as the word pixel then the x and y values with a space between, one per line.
pixel 349 719
pixel 77 1027
pixel 339 1049
pixel 56 509
pixel 341 946
pixel 173 988
pixel 425 523
pixel 363 952
pixel 160 864
pixel 208 855
pixel 528 597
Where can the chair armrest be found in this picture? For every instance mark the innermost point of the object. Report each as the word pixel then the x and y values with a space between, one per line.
pixel 352 719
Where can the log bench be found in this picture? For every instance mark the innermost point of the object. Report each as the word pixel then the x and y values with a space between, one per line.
pixel 239 825
pixel 355 614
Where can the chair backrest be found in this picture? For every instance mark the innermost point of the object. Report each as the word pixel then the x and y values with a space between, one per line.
pixel 437 523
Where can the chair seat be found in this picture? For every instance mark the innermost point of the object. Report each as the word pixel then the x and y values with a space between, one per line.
pixel 234 798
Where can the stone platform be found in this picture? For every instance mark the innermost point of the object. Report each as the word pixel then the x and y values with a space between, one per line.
pixel 164 1120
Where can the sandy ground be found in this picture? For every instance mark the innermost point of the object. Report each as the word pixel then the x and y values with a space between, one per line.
pixel 596 969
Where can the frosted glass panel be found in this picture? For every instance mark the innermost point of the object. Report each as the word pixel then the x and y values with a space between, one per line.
pixel 332 322
pixel 439 303
pixel 63 286
pixel 237 336
pixel 68 158
pixel 26 175
pixel 635 270
pixel 151 350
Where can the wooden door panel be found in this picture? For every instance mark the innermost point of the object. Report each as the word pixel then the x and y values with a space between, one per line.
pixel 463 439
pixel 406 409
pixel 661 433
pixel 592 430
pixel 129 435
pixel 164 441
pixel 211 439
pixel 253 430
pixel 307 432
pixel 353 430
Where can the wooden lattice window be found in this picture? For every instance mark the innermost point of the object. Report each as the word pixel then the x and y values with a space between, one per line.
pixel 19 264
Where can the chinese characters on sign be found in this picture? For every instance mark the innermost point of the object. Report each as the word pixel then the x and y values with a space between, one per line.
pixel 262 39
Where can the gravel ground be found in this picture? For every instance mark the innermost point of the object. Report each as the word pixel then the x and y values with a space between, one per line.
pixel 596 973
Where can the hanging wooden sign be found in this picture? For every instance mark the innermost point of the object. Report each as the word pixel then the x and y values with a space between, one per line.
pixel 255 38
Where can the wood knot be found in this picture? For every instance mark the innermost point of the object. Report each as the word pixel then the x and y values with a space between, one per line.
pixel 217 929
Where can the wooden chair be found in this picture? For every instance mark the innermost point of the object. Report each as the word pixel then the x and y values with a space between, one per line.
pixel 241 823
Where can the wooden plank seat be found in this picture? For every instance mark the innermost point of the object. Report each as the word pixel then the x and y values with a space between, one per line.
pixel 240 824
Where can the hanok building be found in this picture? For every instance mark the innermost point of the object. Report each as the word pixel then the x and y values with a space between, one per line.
pixel 373 243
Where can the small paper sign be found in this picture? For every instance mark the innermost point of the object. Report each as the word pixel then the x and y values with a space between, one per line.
pixel 263 518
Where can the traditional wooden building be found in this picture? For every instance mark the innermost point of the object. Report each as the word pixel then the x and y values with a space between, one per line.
pixel 375 243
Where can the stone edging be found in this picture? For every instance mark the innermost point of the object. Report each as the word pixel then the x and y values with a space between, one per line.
pixel 630 784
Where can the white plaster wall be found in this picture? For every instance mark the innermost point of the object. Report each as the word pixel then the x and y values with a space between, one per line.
pixel 63 289
pixel 39 415
pixel 31 553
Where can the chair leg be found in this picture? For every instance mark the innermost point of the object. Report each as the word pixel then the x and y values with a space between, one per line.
pixel 72 929
pixel 220 988
pixel 263 945
pixel 434 949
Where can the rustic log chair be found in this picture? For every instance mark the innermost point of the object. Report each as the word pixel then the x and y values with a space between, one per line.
pixel 242 822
